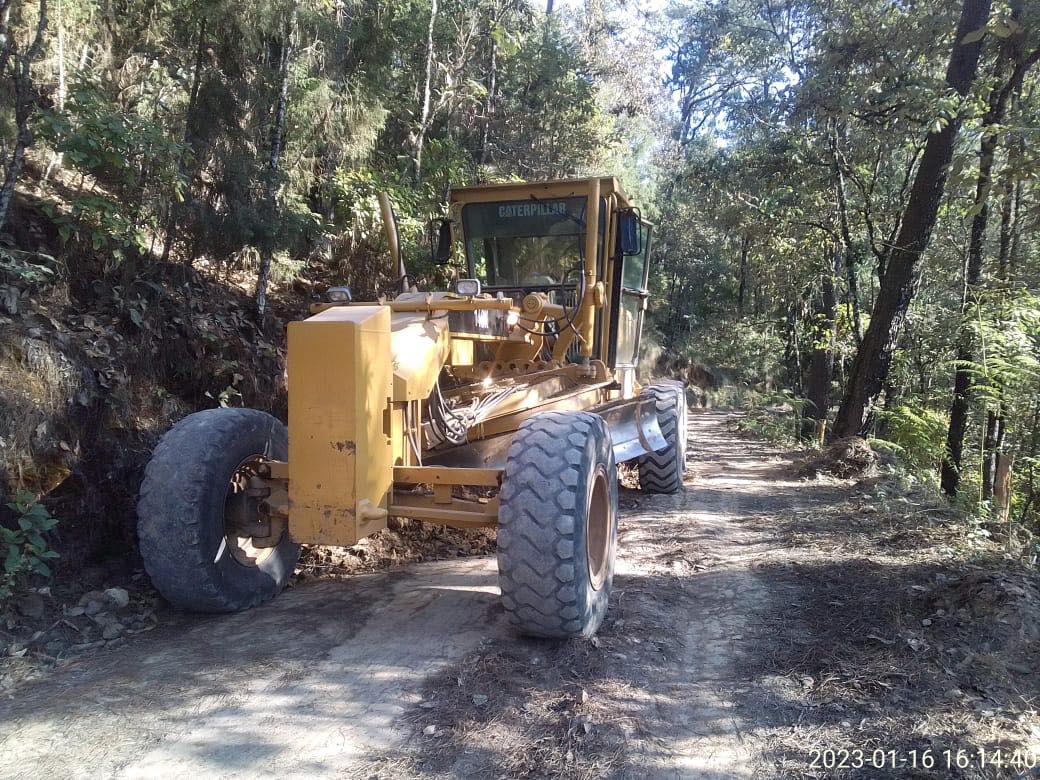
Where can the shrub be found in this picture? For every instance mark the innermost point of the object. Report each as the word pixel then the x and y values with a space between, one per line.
pixel 24 549
pixel 916 436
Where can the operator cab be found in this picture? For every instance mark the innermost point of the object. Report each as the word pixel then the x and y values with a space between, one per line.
pixel 518 242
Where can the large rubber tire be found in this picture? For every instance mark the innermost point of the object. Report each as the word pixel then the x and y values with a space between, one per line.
pixel 181 512
pixel 557 525
pixel 662 471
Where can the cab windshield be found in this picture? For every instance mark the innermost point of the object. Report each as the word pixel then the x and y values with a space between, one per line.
pixel 526 244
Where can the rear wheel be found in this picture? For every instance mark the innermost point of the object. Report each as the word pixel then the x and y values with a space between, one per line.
pixel 207 543
pixel 662 471
pixel 557 527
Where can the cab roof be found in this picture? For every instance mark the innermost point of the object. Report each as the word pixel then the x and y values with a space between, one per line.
pixel 522 190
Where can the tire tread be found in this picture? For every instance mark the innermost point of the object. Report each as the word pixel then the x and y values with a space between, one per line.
pixel 536 537
pixel 662 471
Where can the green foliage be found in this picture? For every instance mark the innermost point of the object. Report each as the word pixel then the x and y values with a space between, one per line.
pixel 24 550
pixel 102 224
pixel 1006 325
pixel 549 126
pixel 169 145
pixel 360 239
pixel 131 161
pixel 801 133
pixel 916 436
pixel 740 352
pixel 773 416
pixel 121 150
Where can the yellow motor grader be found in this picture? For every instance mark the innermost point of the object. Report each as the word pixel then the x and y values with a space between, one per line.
pixel 507 401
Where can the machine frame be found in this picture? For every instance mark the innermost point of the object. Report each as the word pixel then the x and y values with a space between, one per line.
pixel 319 513
pixel 509 406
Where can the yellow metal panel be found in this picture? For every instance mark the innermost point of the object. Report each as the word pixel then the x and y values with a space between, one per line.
pixel 399 436
pixel 608 274
pixel 459 513
pixel 340 454
pixel 420 347
pixel 587 313
pixel 445 475
pixel 461 352
pixel 440 302
pixel 518 350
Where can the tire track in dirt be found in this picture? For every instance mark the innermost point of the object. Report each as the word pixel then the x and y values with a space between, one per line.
pixel 655 695
pixel 697 731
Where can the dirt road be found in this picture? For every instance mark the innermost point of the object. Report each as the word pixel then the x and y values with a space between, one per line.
pixel 382 673
pixel 414 672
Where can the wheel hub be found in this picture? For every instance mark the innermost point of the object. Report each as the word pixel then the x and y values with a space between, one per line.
pixel 600 521
pixel 248 530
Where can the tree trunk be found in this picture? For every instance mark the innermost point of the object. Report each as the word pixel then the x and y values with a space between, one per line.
pixel 24 100
pixel 846 238
pixel 331 158
pixel 1010 56
pixel 1030 458
pixel 821 364
pixel 273 165
pixel 1016 236
pixel 902 275
pixel 673 314
pixel 792 351
pixel 5 34
pixel 1002 486
pixel 424 116
pixel 745 247
pixel 174 209
pixel 489 101
pixel 1009 213
pixel 996 424
pixel 62 91
pixel 994 436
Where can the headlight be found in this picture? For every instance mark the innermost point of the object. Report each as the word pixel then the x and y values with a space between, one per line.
pixel 339 295
pixel 467 287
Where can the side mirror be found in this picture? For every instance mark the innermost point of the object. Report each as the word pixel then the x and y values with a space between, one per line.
pixel 443 254
pixel 628 233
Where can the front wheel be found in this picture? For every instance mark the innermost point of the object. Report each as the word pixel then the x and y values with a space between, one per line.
pixel 662 471
pixel 557 527
pixel 205 537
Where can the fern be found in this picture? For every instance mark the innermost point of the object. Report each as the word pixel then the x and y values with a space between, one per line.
pixel 915 436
